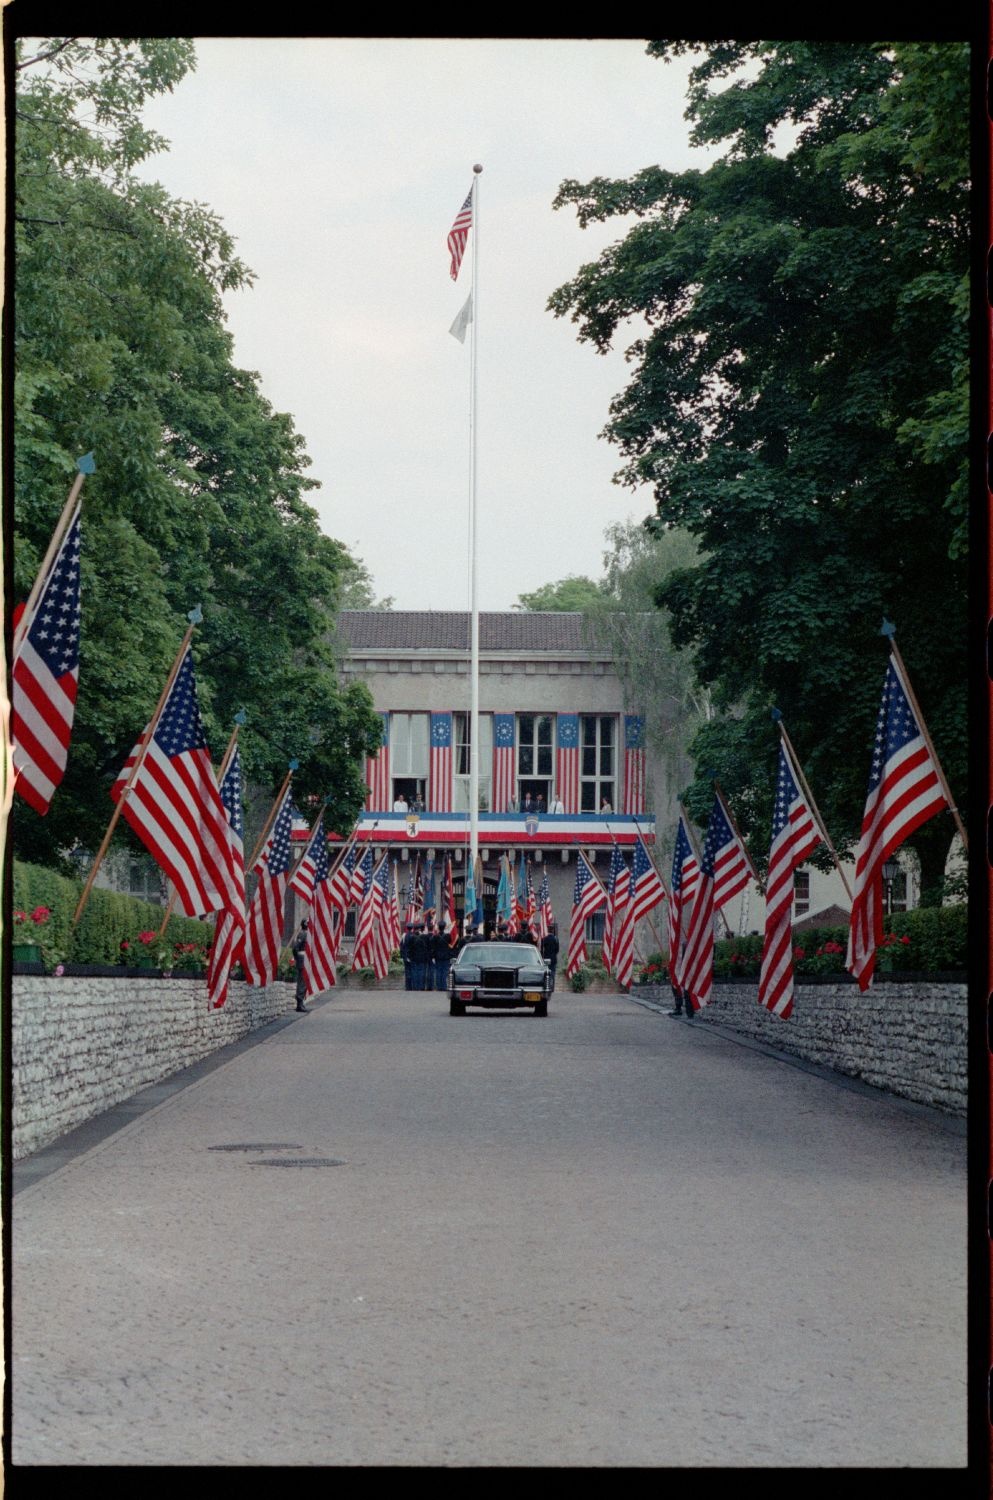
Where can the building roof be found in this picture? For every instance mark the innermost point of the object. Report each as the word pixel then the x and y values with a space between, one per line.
pixel 448 630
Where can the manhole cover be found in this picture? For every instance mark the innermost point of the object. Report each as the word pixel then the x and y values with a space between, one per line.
pixel 298 1161
pixel 258 1146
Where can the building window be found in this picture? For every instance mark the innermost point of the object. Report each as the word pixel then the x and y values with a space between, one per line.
pixel 462 733
pixel 534 757
pixel 409 735
pixel 597 761
pixel 801 893
pixel 595 926
pixel 898 893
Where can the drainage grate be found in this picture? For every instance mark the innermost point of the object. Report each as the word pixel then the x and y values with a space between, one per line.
pixel 298 1161
pixel 258 1146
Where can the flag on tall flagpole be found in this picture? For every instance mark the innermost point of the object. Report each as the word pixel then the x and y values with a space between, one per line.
pixel 324 924
pixel 587 897
pixel 724 871
pixel 460 326
pixel 459 234
pixel 648 887
pixel 264 930
pixel 174 804
pixel 230 926
pixel 905 790
pixel 469 898
pixel 45 677
pixel 795 836
pixel 682 888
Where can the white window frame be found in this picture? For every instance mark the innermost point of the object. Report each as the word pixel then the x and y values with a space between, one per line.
pixel 599 779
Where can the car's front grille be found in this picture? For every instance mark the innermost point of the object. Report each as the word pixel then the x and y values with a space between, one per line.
pixel 499 979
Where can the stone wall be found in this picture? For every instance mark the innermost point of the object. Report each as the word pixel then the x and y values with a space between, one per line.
pixel 907 1037
pixel 81 1044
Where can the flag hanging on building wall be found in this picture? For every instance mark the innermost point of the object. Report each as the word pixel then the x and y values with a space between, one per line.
pixel 682 890
pixel 567 762
pixel 634 764
pixel 795 836
pixel 724 871
pixel 440 777
pixel 904 792
pixel 230 927
pixel 264 932
pixel 45 678
pixel 647 883
pixel 503 762
pixel 174 804
pixel 377 774
pixel 458 234
pixel 587 897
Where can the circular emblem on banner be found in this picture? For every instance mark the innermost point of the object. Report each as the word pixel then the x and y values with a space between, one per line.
pixel 531 826
pixel 412 822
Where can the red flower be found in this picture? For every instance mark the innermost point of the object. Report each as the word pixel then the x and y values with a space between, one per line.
pixel 41 915
pixel 125 946
pixel 799 953
pixel 905 938
pixel 20 916
pixel 148 936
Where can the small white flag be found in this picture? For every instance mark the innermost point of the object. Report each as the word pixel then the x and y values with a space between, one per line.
pixel 462 321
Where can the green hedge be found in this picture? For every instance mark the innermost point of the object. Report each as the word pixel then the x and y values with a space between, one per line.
pixel 109 920
pixel 929 940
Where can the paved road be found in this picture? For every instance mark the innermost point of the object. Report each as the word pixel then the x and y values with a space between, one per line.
pixel 602 1239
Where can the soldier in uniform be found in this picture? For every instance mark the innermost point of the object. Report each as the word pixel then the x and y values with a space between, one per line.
pixel 299 960
pixel 408 983
pixel 442 951
pixel 419 953
pixel 550 951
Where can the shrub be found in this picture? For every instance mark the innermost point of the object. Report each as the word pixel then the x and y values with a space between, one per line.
pixel 927 940
pixel 580 981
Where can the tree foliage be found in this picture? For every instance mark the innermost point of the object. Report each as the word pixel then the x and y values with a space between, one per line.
pixel 798 400
pixel 199 495
pixel 573 594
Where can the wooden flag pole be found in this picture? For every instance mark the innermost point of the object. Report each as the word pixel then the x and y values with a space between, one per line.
pixel 654 861
pixel 928 741
pixel 221 772
pixel 85 465
pixel 646 917
pixel 313 832
pixel 699 859
pixel 737 830
pixel 813 806
pixel 270 820
pixel 139 762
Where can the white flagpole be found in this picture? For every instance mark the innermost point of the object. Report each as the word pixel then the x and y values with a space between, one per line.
pixel 473 571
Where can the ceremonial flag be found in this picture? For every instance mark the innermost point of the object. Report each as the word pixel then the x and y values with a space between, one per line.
pixel 448 903
pixel 340 883
pixel 377 947
pixel 504 897
pixel 532 906
pixel 685 873
pixel 264 932
pixel 648 887
pixel 618 930
pixel 458 234
pixel 324 927
pixel 587 897
pixel 567 769
pixel 361 876
pixel 415 892
pixel 503 762
pixel 795 835
pixel 545 917
pixel 395 931
pixel 469 899
pixel 45 678
pixel 440 767
pixel 377 773
pixel 230 926
pixel 174 804
pixel 429 901
pixel 904 791
pixel 303 877
pixel 724 871
pixel 634 764
pixel 460 326
pixel 373 900
pixel 521 898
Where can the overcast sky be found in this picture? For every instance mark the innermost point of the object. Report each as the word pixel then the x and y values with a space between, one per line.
pixel 338 165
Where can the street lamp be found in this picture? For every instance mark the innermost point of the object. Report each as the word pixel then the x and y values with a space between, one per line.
pixel 891 869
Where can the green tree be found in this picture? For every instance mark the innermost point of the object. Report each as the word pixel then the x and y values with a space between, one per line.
pixel 798 401
pixel 573 594
pixel 199 495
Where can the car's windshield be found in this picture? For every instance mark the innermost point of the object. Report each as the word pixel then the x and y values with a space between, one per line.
pixel 500 953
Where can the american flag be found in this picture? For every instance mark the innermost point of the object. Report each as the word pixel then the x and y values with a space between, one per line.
pixel 230 926
pixel 379 947
pixel 587 897
pixel 634 764
pixel 377 773
pixel 567 770
pixel 303 877
pixel 361 876
pixel 904 791
pixel 428 909
pixel 618 928
pixel 545 915
pixel 685 873
pixel 45 678
pixel 324 926
pixel 531 907
pixel 724 871
pixel 448 902
pixel 395 930
pixel 340 883
pixel 648 887
pixel 440 767
pixel 369 911
pixel 415 892
pixel 458 234
pixel 794 836
pixel 503 762
pixel 174 804
pixel 521 897
pixel 264 933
